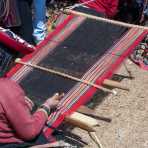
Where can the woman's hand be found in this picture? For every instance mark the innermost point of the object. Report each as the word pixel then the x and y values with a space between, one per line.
pixel 53 101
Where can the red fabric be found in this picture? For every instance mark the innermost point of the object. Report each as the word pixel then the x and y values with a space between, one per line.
pixel 15 45
pixel 108 7
pixel 16 122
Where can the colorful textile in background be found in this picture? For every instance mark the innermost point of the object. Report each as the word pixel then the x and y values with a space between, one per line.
pixel 140 54
pixel 12 19
pixel 108 7
pixel 141 3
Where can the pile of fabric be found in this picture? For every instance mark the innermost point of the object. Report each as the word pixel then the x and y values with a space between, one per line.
pixel 140 54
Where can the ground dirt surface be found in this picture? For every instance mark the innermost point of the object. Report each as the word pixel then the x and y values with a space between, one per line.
pixel 127 110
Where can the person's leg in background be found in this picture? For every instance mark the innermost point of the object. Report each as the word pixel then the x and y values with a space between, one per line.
pixel 26 28
pixel 39 20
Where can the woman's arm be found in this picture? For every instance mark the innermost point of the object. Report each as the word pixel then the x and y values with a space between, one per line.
pixel 26 125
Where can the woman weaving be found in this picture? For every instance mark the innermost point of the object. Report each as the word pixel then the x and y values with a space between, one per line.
pixel 18 127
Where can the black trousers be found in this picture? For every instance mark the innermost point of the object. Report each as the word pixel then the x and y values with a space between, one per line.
pixel 25 30
pixel 38 141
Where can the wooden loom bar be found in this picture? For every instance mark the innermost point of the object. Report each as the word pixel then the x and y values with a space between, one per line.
pixel 82 121
pixel 105 20
pixel 85 110
pixel 94 136
pixel 64 75
pixel 86 123
pixel 90 112
pixel 115 84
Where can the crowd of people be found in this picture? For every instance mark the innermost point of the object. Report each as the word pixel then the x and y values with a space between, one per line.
pixel 27 18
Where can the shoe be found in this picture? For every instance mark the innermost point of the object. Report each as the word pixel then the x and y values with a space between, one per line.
pixel 39 33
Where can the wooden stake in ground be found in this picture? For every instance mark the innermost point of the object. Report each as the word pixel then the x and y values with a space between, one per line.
pixel 115 84
pixel 89 112
pixel 64 75
pixel 82 121
pixel 96 139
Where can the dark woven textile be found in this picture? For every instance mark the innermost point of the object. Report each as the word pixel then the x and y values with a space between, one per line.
pixel 74 56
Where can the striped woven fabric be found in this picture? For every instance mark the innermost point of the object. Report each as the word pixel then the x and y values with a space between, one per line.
pixel 83 48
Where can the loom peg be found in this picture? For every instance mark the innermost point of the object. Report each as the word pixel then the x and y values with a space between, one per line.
pixel 90 112
pixel 86 123
pixel 82 121
pixel 85 110
pixel 94 136
pixel 115 84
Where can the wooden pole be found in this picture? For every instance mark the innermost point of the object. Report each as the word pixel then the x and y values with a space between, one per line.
pixel 82 121
pixel 105 20
pixel 89 112
pixel 64 75
pixel 85 110
pixel 115 84
pixel 94 136
pixel 86 123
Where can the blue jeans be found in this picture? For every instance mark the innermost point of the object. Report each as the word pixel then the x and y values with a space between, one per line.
pixel 39 32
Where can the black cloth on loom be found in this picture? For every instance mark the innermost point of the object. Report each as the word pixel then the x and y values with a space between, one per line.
pixel 75 55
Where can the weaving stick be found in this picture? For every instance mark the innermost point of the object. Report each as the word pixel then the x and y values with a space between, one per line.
pixel 82 121
pixel 94 136
pixel 119 23
pixel 116 84
pixel 90 112
pixel 64 75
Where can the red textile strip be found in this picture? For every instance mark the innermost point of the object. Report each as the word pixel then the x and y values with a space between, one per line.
pixel 5 39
